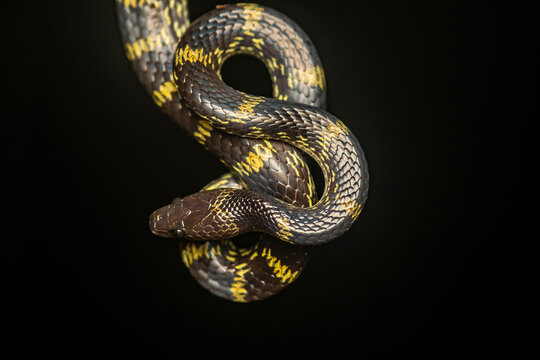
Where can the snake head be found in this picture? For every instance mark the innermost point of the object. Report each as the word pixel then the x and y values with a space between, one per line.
pixel 187 217
pixel 168 221
pixel 201 216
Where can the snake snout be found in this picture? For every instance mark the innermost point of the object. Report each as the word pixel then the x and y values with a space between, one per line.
pixel 159 224
pixel 166 221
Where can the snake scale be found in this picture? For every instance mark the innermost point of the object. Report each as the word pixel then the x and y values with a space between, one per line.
pixel 262 141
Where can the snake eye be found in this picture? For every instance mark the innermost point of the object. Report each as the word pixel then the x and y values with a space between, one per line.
pixel 176 233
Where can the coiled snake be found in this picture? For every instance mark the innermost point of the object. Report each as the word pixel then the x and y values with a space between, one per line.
pixel 261 140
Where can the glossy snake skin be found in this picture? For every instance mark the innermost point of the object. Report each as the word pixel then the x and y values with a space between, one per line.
pixel 263 165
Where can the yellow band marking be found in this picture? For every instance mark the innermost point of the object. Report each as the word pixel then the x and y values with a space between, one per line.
pixel 355 211
pixel 203 131
pixel 134 3
pixel 283 233
pixel 186 54
pixel 256 158
pixel 252 13
pixel 249 102
pixel 164 92
pixel 258 42
pixel 281 271
pixel 194 252
pixel 313 76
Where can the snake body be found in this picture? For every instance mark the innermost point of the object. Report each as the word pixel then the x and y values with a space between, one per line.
pixel 254 136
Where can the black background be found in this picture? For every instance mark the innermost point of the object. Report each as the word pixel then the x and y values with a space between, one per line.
pixel 430 268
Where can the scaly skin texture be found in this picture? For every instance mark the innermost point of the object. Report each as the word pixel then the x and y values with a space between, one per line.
pixel 224 213
pixel 151 31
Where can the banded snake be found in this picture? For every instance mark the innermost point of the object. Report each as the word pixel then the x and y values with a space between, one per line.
pixel 262 141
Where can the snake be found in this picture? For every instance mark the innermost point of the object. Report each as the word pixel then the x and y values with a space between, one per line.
pixel 263 142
